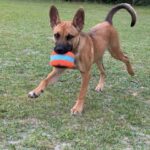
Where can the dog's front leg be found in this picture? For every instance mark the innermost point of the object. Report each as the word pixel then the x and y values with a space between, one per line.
pixel 78 107
pixel 50 79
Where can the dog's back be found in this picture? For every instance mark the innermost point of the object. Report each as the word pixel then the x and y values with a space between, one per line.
pixel 104 35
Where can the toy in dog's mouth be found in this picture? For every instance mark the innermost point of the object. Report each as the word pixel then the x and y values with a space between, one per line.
pixel 66 60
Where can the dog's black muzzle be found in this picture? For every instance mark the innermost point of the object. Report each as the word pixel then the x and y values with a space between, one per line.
pixel 62 49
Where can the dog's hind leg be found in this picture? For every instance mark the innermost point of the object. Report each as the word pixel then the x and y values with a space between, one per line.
pixel 101 82
pixel 50 79
pixel 117 53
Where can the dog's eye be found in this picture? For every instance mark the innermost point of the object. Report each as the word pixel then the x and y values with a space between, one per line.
pixel 57 36
pixel 69 37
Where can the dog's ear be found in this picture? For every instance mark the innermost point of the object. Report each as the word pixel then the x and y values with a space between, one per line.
pixel 54 16
pixel 78 20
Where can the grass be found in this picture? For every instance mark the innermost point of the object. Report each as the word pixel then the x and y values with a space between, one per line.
pixel 117 118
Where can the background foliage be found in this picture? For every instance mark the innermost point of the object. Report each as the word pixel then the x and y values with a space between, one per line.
pixel 137 2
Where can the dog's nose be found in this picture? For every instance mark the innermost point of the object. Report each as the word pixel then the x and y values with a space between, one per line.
pixel 62 49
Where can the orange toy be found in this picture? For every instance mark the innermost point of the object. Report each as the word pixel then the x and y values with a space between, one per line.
pixel 62 60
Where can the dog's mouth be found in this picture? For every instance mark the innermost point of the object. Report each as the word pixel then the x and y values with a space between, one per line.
pixel 62 49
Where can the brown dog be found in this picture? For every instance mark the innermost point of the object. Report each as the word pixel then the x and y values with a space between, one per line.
pixel 87 47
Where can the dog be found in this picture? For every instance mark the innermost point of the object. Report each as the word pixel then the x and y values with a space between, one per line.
pixel 87 47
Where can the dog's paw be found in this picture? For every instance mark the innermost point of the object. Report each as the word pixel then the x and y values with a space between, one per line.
pixel 32 94
pixel 99 88
pixel 76 112
pixel 77 108
pixel 132 73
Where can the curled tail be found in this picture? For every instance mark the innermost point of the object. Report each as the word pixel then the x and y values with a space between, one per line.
pixel 126 6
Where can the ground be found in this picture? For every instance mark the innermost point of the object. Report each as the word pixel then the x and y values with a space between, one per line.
pixel 117 118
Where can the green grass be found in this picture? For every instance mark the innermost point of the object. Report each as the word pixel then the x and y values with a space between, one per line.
pixel 118 118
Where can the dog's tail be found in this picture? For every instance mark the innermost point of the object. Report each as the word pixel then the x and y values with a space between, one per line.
pixel 126 6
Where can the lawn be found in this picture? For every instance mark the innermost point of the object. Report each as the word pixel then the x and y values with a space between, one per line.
pixel 118 118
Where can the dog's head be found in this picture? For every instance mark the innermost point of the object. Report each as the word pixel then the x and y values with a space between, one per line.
pixel 66 33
